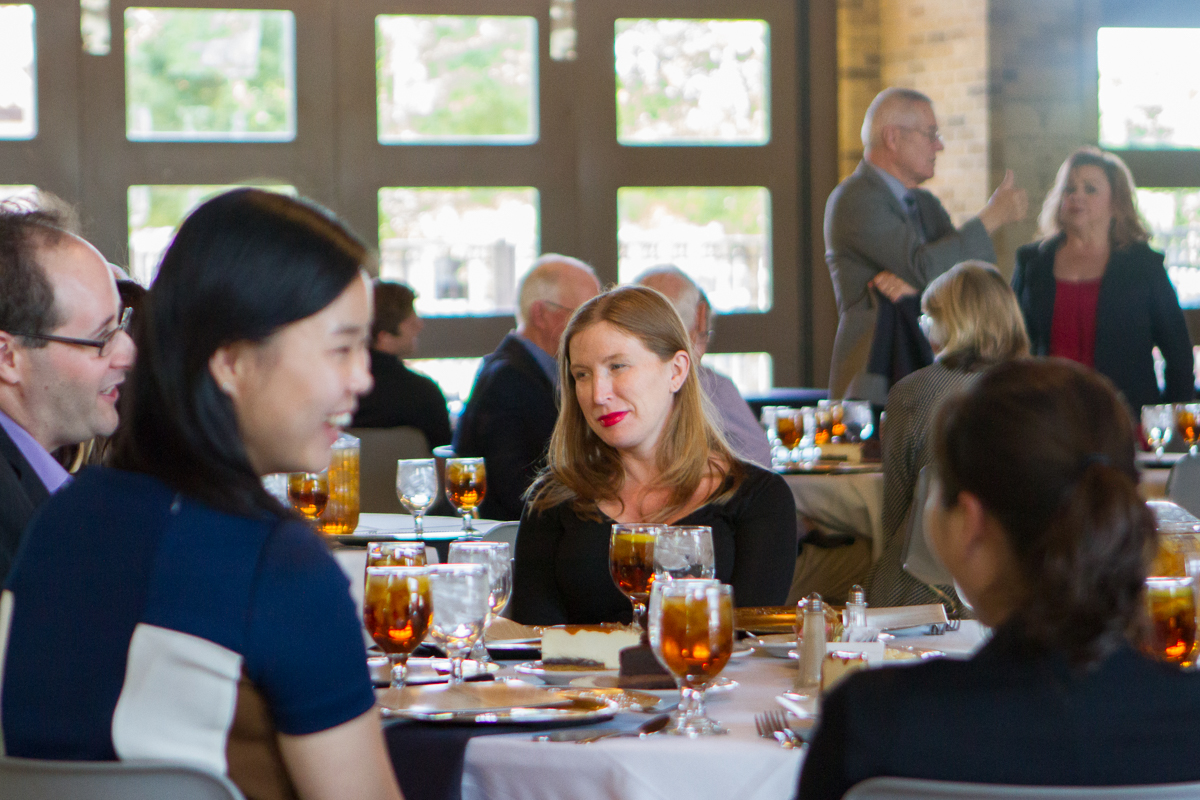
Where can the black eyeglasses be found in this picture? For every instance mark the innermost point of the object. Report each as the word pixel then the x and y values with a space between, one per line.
pixel 103 344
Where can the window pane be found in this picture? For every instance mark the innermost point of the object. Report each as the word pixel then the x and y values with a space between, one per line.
pixel 692 81
pixel 456 79
pixel 220 75
pixel 719 235
pixel 154 214
pixel 18 95
pixel 750 372
pixel 453 375
pixel 1149 88
pixel 20 193
pixel 1173 216
pixel 462 249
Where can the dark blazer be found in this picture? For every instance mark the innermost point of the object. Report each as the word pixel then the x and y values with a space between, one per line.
pixel 1137 310
pixel 403 397
pixel 1009 716
pixel 21 492
pixel 867 231
pixel 508 421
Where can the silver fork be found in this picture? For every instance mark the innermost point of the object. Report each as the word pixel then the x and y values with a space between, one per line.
pixel 774 725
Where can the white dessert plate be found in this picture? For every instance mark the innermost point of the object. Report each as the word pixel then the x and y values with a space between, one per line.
pixel 560 674
pixel 778 644
pixel 609 681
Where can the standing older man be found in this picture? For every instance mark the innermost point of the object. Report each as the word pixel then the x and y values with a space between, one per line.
pixel 737 422
pixel 64 352
pixel 883 233
pixel 513 406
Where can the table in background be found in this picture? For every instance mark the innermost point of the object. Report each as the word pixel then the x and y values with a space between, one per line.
pixel 741 765
pixel 848 502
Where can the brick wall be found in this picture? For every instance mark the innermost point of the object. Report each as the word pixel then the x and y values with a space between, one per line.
pixel 859 75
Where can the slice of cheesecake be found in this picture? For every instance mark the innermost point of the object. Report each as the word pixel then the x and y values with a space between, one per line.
pixel 587 646
pixel 837 665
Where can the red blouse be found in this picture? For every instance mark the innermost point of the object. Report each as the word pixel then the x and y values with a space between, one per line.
pixel 1073 326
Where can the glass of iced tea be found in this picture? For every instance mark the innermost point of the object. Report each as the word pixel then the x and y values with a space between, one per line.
pixel 460 608
pixel 823 432
pixel 631 564
pixel 691 633
pixel 308 492
pixel 395 554
pixel 1171 603
pixel 1187 423
pixel 466 484
pixel 397 608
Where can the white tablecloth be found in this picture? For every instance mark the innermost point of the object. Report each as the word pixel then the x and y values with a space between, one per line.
pixel 741 765
pixel 847 503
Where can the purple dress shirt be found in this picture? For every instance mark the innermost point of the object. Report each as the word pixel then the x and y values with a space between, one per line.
pixel 51 473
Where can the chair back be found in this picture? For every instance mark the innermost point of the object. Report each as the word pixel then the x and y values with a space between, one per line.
pixel 504 532
pixel 38 779
pixel 380 449
pixel 1183 483
pixel 919 559
pixel 919 789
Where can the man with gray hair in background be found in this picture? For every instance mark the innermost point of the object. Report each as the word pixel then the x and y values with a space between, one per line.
pixel 884 234
pixel 736 420
pixel 513 405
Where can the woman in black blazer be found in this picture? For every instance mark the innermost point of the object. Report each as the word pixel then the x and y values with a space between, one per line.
pixel 1093 291
pixel 1037 516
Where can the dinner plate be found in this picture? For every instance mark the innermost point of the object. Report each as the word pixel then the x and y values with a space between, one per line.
pixel 493 704
pixel 560 674
pixel 642 700
pixel 722 684
pixel 427 670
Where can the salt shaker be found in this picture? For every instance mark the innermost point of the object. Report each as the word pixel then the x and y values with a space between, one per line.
pixel 855 613
pixel 811 646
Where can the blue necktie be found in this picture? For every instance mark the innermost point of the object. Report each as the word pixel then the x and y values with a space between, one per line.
pixel 914 214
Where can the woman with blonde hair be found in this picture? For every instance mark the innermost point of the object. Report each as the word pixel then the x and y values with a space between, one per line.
pixel 634 443
pixel 1093 291
pixel 972 321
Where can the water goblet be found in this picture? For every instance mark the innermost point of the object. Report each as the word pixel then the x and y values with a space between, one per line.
pixel 691 634
pixel 417 488
pixel 631 564
pixel 397 604
pixel 308 492
pixel 466 485
pixel 684 551
pixel 1158 424
pixel 859 420
pixel 497 557
pixel 460 607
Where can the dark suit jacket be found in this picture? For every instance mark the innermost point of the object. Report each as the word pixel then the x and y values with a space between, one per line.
pixel 1009 716
pixel 21 492
pixel 403 397
pixel 508 421
pixel 867 231
pixel 1137 309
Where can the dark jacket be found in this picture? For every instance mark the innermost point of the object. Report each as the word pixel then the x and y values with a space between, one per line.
pixel 1009 716
pixel 508 421
pixel 1137 310
pixel 403 397
pixel 21 492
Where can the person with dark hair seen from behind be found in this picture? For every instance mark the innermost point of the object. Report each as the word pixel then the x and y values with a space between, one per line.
pixel 1036 514
pixel 64 352
pixel 400 396
pixel 1093 291
pixel 973 322
pixel 633 443
pixel 514 401
pixel 218 629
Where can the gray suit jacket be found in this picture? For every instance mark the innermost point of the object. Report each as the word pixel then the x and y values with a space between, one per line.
pixel 867 231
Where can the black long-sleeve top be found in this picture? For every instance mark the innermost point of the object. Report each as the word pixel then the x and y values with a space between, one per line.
pixel 561 572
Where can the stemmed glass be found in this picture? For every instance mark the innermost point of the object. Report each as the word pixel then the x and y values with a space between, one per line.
pixel 417 488
pixel 466 484
pixel 631 564
pixel 460 607
pixel 497 557
pixel 1187 422
pixel 1158 424
pixel 684 551
pixel 308 492
pixel 859 420
pixel 691 633
pixel 397 604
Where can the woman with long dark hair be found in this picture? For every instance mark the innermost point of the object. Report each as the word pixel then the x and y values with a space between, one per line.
pixel 205 623
pixel 1036 514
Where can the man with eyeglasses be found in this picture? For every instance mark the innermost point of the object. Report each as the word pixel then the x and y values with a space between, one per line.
pixel 886 239
pixel 513 405
pixel 64 352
